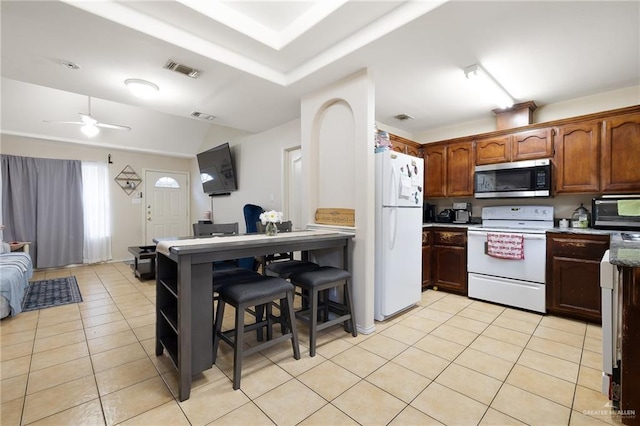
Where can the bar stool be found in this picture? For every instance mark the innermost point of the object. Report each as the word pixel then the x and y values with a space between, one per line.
pixel 231 275
pixel 254 292
pixel 316 283
pixel 286 268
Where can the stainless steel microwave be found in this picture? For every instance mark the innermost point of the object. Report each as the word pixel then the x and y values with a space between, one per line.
pixel 621 212
pixel 530 178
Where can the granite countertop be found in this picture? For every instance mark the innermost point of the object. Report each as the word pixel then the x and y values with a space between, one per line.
pixel 624 253
pixel 448 225
pixel 589 231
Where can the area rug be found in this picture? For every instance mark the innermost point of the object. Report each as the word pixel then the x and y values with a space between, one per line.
pixel 48 293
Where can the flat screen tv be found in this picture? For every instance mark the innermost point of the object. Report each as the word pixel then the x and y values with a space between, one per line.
pixel 217 171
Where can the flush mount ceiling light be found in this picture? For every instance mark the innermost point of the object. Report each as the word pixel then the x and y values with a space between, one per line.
pixel 488 85
pixel 141 88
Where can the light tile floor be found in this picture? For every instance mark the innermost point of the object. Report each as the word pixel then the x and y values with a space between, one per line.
pixel 451 361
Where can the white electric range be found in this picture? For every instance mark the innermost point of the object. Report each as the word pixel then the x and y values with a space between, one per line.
pixel 499 277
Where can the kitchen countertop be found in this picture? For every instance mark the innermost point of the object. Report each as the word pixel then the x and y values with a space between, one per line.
pixel 624 253
pixel 448 225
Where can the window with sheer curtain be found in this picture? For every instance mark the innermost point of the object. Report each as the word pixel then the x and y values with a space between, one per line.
pixel 97 212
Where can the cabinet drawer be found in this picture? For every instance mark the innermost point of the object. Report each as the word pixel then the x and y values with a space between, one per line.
pixel 427 238
pixel 589 247
pixel 449 238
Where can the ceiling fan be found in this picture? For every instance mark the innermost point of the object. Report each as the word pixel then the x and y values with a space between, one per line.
pixel 90 126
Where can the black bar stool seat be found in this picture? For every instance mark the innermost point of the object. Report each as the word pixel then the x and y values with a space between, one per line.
pixel 287 268
pixel 316 283
pixel 254 292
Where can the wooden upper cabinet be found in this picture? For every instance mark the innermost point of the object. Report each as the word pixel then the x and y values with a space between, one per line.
pixel 524 145
pixel 577 157
pixel 405 146
pixel 435 170
pixel 448 169
pixel 620 162
pixel 460 166
pixel 493 150
pixel 532 144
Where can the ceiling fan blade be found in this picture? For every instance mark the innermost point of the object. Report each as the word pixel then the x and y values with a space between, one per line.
pixel 113 126
pixel 64 122
pixel 88 119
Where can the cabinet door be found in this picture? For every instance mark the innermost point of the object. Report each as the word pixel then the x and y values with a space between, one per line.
pixel 577 158
pixel 460 165
pixel 493 150
pixel 426 258
pixel 426 267
pixel 450 268
pixel 576 288
pixel 435 171
pixel 621 154
pixel 573 275
pixel 532 144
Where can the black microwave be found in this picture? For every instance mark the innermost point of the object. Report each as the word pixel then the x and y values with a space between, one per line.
pixel 531 178
pixel 621 212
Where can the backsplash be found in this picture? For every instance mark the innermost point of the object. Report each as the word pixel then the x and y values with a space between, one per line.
pixel 563 205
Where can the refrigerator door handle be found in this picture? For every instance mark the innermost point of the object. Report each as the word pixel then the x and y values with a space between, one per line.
pixel 393 190
pixel 393 218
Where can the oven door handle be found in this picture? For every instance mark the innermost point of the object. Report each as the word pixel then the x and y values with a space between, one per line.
pixel 515 231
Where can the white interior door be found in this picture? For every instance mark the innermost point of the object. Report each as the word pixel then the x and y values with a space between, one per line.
pixel 166 205
pixel 293 187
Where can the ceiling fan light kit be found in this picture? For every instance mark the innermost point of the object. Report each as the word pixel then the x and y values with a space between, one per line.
pixel 90 126
pixel 89 130
pixel 141 88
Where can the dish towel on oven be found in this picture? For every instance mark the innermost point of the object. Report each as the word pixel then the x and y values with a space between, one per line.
pixel 505 246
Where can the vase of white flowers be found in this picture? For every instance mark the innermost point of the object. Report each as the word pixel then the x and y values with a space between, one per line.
pixel 269 219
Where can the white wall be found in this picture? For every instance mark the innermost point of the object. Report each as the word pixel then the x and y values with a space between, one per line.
pixel 259 161
pixel 126 218
pixel 629 96
pixel 337 125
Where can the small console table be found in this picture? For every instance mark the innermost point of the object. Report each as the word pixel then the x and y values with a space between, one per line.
pixel 145 270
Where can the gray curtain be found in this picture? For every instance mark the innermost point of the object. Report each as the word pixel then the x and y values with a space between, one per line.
pixel 42 203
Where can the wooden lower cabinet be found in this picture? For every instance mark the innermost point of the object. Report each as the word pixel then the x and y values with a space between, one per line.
pixel 630 368
pixel 573 275
pixel 426 258
pixel 447 260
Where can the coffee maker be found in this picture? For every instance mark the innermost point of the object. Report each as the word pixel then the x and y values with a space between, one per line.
pixel 428 213
pixel 462 212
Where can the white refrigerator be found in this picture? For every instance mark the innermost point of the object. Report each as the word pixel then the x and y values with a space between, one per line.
pixel 398 260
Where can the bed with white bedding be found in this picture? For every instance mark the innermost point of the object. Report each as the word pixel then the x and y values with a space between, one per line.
pixel 15 271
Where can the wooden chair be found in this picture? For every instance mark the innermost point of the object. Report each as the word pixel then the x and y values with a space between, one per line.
pixel 264 260
pixel 283 264
pixel 208 229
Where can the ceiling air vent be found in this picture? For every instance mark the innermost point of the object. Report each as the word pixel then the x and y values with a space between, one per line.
pixel 403 117
pixel 182 69
pixel 202 115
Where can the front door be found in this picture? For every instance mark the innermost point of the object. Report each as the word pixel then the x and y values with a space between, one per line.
pixel 166 204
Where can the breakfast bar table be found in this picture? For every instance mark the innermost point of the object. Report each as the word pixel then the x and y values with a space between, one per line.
pixel 184 289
